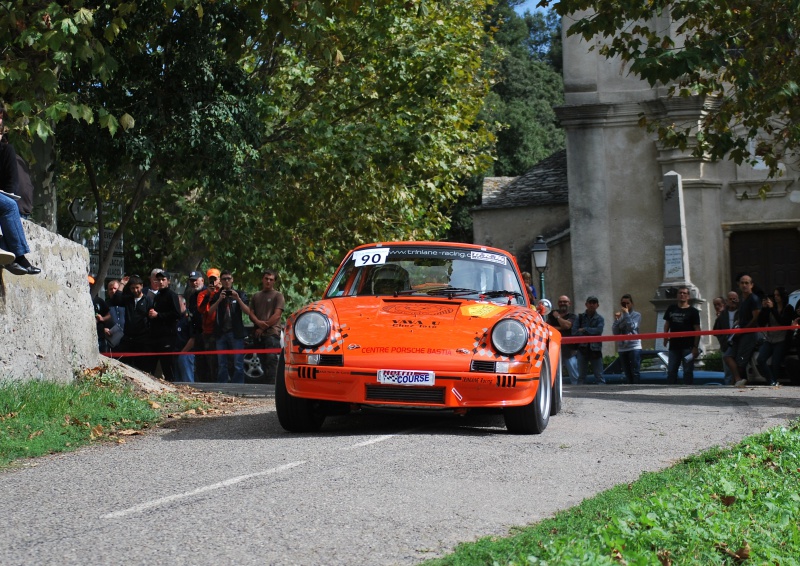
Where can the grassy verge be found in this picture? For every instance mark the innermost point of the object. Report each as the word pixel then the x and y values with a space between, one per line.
pixel 733 506
pixel 45 417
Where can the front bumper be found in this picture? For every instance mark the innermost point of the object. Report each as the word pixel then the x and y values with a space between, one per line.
pixel 359 385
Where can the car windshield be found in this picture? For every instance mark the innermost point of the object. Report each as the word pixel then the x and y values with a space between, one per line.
pixel 430 271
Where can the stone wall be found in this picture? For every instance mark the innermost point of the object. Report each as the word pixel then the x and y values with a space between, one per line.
pixel 47 324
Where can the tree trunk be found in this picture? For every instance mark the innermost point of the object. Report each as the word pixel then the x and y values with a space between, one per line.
pixel 42 173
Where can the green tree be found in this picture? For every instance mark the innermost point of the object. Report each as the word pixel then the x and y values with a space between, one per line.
pixel 738 56
pixel 528 85
pixel 282 151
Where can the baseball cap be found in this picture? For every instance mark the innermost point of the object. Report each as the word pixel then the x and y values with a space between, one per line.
pixel 213 272
pixel 592 299
pixel 163 274
pixel 195 275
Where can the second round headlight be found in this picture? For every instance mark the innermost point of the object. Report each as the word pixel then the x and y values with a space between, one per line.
pixel 509 336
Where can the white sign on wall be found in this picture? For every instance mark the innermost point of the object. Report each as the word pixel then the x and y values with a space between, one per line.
pixel 673 262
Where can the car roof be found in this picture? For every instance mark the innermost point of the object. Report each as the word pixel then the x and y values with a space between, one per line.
pixel 426 243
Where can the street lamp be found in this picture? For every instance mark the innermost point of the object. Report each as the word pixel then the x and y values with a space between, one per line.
pixel 539 251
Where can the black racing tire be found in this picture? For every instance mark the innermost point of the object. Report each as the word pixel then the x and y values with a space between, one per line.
pixel 533 417
pixel 295 414
pixel 558 390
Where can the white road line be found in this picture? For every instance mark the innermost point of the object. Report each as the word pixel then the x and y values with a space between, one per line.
pixel 164 500
pixel 381 438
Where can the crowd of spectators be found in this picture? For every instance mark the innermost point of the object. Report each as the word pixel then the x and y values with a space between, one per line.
pixel 195 336
pixel 748 308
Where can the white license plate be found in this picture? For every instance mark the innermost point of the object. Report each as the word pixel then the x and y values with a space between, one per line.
pixel 405 377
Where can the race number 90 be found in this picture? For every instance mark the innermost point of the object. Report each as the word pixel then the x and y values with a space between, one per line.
pixel 370 257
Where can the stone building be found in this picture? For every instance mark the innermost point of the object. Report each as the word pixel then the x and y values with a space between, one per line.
pixel 630 216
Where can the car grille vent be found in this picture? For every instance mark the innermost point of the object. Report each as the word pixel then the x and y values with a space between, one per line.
pixel 506 381
pixel 306 372
pixel 404 394
pixel 485 367
pixel 331 360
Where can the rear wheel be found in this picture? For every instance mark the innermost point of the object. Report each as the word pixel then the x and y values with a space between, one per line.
pixel 555 407
pixel 533 417
pixel 295 414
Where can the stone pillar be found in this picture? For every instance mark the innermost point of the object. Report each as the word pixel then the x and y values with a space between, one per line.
pixel 676 255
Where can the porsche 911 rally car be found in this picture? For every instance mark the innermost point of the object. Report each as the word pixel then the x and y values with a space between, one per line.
pixel 429 325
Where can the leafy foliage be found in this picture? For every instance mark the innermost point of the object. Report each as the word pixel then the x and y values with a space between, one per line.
pixel 528 84
pixel 272 136
pixel 738 56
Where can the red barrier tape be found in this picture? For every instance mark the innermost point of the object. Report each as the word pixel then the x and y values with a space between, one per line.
pixel 564 340
pixel 192 353
pixel 656 335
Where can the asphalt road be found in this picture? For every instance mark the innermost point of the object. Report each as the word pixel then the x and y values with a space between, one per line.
pixel 369 489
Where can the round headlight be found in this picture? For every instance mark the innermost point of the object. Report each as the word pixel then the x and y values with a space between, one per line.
pixel 312 328
pixel 509 336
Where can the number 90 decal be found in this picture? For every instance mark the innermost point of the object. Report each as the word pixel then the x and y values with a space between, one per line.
pixel 370 257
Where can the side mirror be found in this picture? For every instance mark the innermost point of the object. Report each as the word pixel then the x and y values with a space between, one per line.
pixel 544 307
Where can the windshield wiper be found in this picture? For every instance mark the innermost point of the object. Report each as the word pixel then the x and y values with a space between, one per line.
pixel 503 293
pixel 451 292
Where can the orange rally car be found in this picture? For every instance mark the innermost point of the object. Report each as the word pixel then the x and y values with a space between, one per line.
pixel 421 325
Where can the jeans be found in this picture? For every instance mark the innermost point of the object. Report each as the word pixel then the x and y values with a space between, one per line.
pixel 184 367
pixel 572 369
pixel 631 361
pixel 597 366
pixel 269 362
pixel 227 341
pixel 772 371
pixel 676 358
pixel 13 238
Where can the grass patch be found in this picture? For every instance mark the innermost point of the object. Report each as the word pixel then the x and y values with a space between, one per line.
pixel 46 417
pixel 732 506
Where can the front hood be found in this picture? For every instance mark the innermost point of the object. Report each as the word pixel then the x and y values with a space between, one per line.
pixel 381 328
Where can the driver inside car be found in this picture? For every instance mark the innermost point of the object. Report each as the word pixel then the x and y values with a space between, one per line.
pixel 389 279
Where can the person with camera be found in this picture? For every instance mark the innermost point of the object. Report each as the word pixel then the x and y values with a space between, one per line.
pixel 229 304
pixel 563 319
pixel 626 322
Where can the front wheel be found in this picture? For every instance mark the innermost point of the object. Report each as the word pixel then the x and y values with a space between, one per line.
pixel 295 414
pixel 533 417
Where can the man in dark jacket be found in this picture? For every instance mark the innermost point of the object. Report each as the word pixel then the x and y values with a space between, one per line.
pixel 164 315
pixel 137 324
pixel 229 304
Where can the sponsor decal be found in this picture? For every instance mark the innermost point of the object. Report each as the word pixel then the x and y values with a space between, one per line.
pixel 486 256
pixel 375 350
pixel 484 380
pixel 481 310
pixel 417 310
pixel 415 324
pixel 405 377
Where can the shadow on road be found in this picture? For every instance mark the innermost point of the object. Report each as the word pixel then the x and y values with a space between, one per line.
pixel 367 423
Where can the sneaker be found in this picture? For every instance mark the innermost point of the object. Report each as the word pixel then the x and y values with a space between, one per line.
pixel 6 257
pixel 741 383
pixel 775 384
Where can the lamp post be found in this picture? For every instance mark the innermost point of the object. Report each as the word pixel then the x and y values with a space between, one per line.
pixel 539 251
